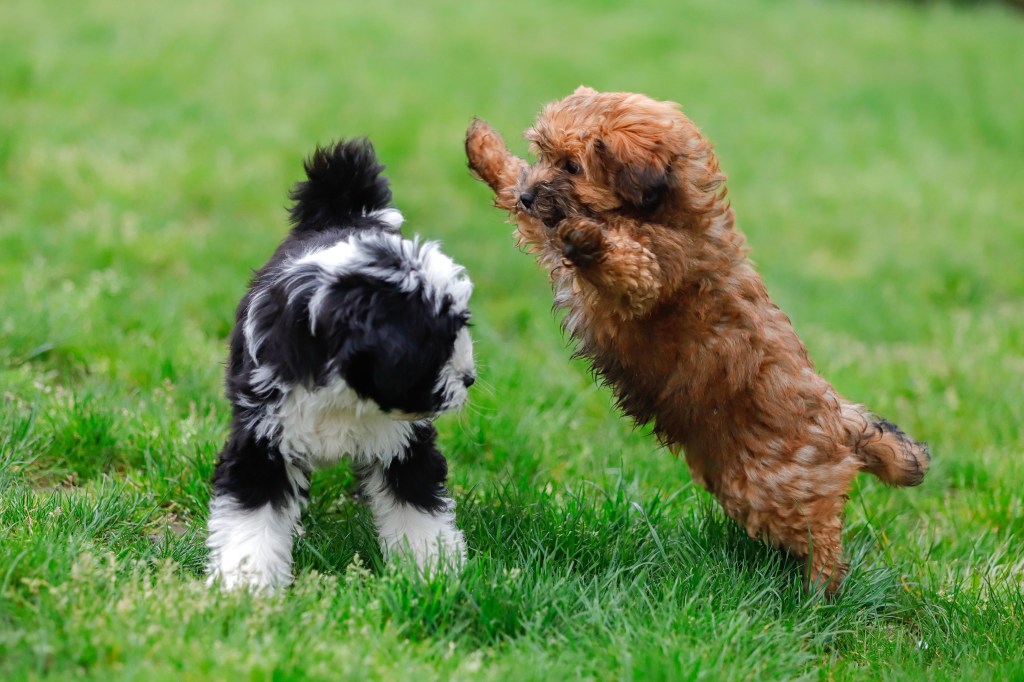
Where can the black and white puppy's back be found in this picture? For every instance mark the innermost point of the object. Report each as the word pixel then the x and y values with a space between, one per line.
pixel 349 341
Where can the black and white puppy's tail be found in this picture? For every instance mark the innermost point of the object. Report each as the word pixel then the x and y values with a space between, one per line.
pixel 343 183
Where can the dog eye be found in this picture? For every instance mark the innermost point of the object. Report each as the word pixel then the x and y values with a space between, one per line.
pixel 571 167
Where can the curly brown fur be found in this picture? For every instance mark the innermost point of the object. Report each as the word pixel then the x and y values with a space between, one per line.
pixel 625 207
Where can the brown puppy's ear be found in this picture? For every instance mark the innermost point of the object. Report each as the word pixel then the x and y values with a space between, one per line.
pixel 639 185
pixel 643 187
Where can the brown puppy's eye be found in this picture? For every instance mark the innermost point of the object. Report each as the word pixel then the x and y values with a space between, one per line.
pixel 571 167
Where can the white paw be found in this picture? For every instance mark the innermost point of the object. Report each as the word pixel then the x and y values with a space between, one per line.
pixel 445 551
pixel 250 548
pixel 247 576
pixel 432 542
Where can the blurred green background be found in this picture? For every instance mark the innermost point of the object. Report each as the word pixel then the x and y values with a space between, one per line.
pixel 875 154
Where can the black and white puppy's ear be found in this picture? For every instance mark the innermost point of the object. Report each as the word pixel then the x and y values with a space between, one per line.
pixel 393 343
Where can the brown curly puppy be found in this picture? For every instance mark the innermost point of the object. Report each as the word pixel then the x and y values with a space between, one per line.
pixel 625 208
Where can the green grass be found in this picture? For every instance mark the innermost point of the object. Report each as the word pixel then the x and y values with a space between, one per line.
pixel 876 162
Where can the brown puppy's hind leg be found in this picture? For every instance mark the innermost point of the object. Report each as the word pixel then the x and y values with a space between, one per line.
pixel 817 542
pixel 825 567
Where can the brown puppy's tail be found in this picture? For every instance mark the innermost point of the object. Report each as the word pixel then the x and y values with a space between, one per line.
pixel 887 452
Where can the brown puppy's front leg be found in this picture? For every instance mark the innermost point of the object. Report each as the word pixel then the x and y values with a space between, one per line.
pixel 623 269
pixel 493 163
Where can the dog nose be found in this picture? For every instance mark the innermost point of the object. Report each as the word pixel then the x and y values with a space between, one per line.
pixel 469 380
pixel 527 198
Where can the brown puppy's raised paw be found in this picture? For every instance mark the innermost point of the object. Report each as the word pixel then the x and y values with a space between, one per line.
pixel 491 161
pixel 582 241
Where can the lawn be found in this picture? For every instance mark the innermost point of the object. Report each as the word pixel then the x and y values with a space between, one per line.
pixel 875 153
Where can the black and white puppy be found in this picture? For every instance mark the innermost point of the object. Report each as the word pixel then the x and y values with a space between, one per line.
pixel 349 341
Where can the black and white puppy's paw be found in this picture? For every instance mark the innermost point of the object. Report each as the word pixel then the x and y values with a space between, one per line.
pixel 350 340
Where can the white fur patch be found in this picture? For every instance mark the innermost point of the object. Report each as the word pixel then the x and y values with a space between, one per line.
pixel 335 259
pixel 391 217
pixel 443 276
pixel 424 266
pixel 251 548
pixel 451 382
pixel 252 341
pixel 322 425
pixel 430 539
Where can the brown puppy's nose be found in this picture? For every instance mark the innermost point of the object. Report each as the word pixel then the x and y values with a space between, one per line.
pixel 527 198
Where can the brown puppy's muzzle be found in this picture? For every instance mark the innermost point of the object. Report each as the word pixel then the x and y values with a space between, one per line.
pixel 549 202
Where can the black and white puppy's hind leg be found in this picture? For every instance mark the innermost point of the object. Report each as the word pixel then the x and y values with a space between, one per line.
pixel 413 512
pixel 257 499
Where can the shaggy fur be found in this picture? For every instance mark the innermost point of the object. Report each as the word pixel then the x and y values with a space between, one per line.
pixel 625 208
pixel 347 344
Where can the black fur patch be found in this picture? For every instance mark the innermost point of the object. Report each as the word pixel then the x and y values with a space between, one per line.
pixel 253 473
pixel 418 478
pixel 343 182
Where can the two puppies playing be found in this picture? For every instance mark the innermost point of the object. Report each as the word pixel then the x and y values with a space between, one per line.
pixel 625 209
